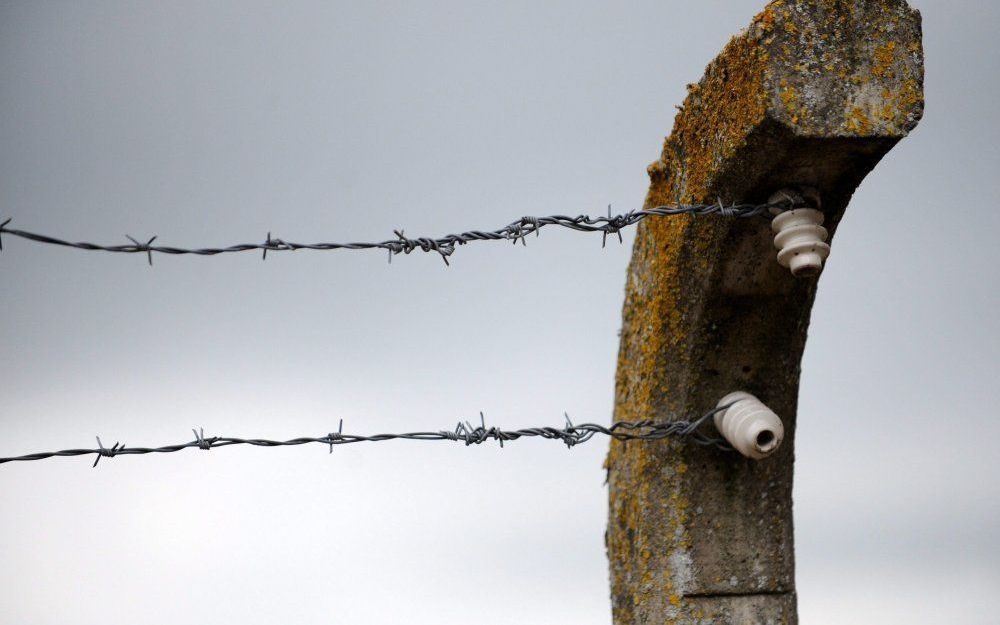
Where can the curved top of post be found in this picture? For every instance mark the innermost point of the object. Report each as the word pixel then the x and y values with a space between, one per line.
pixel 824 69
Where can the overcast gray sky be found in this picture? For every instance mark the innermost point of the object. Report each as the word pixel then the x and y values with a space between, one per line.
pixel 216 122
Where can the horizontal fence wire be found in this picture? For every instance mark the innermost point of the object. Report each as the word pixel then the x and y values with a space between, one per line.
pixel 464 432
pixel 445 246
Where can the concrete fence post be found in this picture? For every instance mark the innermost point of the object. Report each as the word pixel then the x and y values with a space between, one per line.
pixel 813 93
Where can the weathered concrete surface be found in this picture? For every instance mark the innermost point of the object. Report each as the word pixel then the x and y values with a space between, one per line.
pixel 813 92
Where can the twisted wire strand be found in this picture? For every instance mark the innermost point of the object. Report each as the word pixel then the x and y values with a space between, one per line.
pixel 444 246
pixel 464 432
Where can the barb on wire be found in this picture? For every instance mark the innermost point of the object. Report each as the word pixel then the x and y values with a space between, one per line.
pixel 445 246
pixel 104 452
pixel 3 228
pixel 464 432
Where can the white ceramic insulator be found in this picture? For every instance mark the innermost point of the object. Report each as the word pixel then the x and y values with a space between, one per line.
pixel 801 240
pixel 749 426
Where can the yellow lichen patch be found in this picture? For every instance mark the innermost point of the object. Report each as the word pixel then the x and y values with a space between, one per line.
pixel 717 117
pixel 766 17
pixel 789 99
pixel 883 58
pixel 910 97
pixel 887 112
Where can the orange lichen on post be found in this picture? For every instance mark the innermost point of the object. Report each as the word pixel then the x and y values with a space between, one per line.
pixel 716 118
pixel 883 59
pixel 857 123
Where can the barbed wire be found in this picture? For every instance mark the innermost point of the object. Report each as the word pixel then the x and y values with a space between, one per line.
pixel 445 246
pixel 464 432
